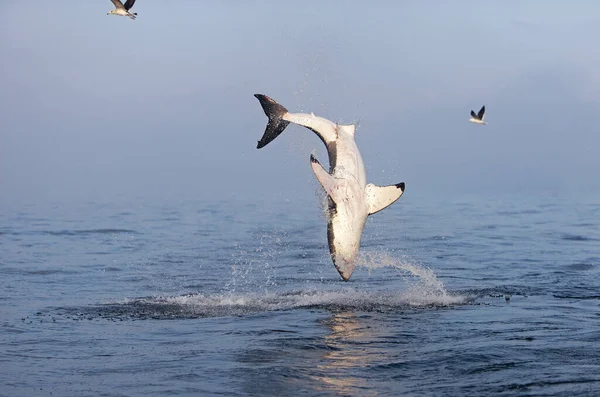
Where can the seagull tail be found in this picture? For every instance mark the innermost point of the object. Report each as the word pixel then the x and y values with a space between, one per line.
pixel 276 124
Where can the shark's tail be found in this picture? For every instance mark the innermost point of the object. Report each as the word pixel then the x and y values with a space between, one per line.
pixel 276 124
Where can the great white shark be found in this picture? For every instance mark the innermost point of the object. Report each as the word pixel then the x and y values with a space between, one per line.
pixel 350 199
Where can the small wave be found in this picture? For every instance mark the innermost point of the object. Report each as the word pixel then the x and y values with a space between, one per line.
pixel 522 212
pixel 47 272
pixel 584 224
pixel 577 297
pixel 576 237
pixel 580 266
pixel 36 272
pixel 88 232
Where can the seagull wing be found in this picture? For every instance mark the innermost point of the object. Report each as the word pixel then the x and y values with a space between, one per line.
pixel 117 4
pixel 473 114
pixel 481 113
pixel 129 4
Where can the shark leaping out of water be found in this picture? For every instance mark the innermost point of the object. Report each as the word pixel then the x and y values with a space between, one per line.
pixel 478 118
pixel 123 10
pixel 350 199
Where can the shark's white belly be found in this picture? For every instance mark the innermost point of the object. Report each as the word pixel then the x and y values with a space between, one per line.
pixel 347 217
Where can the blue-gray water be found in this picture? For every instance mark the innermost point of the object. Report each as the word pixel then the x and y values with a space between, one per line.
pixel 463 297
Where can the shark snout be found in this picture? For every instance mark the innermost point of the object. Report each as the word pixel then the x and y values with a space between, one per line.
pixel 345 266
pixel 345 275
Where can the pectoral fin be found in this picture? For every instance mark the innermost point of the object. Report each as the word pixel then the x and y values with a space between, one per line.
pixel 379 197
pixel 327 181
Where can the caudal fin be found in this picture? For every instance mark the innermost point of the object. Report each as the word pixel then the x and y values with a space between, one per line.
pixel 276 124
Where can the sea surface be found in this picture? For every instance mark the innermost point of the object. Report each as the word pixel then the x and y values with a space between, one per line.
pixel 473 296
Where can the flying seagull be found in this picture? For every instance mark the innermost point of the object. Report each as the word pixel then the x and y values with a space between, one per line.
pixel 478 118
pixel 123 10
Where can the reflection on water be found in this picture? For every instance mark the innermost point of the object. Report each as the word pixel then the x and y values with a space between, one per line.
pixel 351 349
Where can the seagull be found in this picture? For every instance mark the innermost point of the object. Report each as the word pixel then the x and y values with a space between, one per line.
pixel 123 10
pixel 476 118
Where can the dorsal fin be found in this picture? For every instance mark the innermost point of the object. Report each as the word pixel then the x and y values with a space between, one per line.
pixel 347 128
pixel 379 197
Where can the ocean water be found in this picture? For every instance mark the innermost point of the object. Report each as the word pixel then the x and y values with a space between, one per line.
pixel 473 296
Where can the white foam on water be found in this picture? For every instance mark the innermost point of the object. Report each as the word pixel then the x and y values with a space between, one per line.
pixel 429 293
pixel 416 287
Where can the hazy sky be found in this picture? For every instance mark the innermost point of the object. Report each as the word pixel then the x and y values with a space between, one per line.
pixel 97 106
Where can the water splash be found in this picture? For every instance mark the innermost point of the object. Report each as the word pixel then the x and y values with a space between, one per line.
pixel 423 286
pixel 253 288
pixel 344 298
pixel 423 289
pixel 252 267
